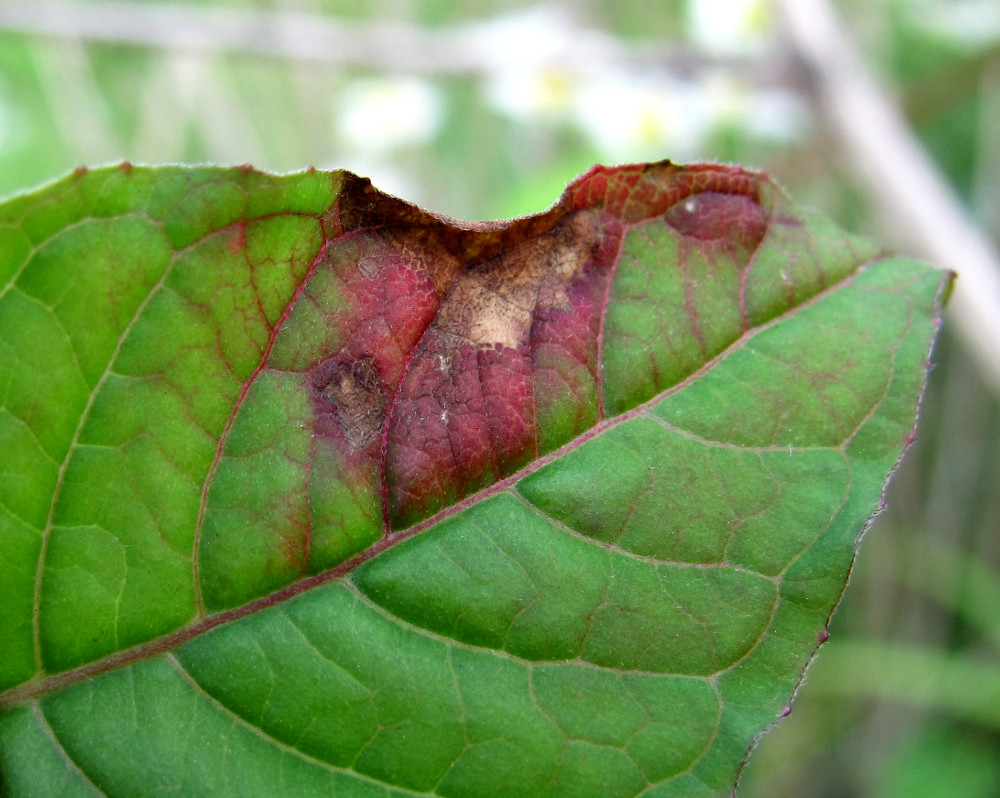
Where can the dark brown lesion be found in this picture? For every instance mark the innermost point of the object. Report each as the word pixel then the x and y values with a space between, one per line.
pixel 355 390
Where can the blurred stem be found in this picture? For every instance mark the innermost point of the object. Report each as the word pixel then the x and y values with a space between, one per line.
pixel 474 47
pixel 888 159
pixel 952 683
pixel 957 581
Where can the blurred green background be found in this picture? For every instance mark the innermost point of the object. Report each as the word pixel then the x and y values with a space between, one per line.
pixel 485 109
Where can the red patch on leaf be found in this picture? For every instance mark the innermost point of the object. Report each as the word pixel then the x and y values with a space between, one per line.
pixel 461 336
pixel 463 419
pixel 711 216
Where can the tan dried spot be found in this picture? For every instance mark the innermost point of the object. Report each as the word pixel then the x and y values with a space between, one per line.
pixel 493 302
pixel 356 391
pixel 368 266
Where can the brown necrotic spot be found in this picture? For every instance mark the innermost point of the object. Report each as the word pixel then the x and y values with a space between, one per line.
pixel 355 390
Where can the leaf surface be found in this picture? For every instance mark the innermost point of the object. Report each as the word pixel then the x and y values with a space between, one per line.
pixel 308 491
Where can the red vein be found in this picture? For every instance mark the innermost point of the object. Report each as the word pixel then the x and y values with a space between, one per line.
pixel 209 476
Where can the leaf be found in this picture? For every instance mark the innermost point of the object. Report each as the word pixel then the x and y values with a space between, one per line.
pixel 306 491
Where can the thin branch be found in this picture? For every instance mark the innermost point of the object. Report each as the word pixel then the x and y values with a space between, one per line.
pixel 545 35
pixel 895 168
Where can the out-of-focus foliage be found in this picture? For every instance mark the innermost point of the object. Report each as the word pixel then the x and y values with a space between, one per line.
pixel 905 700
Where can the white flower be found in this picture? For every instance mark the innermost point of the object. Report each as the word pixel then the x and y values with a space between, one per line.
pixel 768 114
pixel 631 118
pixel 728 26
pixel 380 114
pixel 531 94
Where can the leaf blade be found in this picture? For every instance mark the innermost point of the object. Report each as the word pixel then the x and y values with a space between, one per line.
pixel 261 466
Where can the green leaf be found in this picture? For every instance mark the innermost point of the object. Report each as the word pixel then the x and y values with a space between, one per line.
pixel 308 491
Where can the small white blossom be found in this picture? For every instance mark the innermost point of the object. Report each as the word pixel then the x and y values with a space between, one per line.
pixel 532 94
pixel 380 114
pixel 630 118
pixel 728 26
